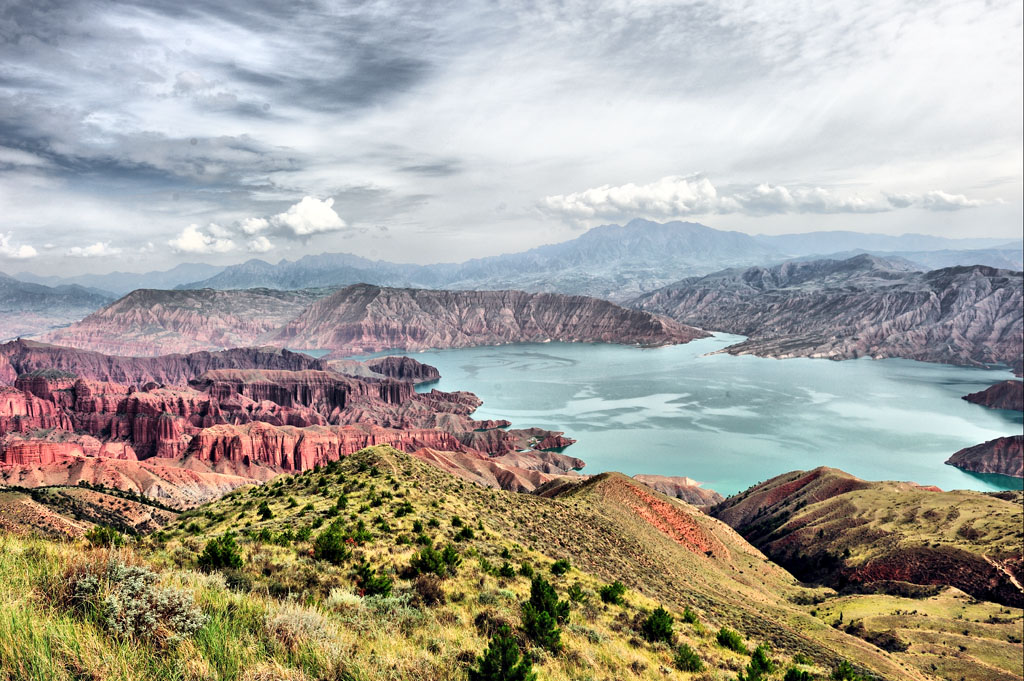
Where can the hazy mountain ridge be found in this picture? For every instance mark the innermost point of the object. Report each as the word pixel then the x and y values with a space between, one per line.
pixel 357 319
pixel 27 308
pixel 863 306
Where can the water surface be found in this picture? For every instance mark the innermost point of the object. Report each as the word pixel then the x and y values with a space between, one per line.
pixel 734 421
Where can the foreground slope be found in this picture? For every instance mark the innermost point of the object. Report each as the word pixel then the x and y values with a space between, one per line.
pixel 830 527
pixel 860 307
pixel 285 614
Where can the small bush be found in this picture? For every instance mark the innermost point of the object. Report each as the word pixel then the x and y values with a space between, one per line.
pixel 542 614
pixel 429 560
pixel 370 582
pixel 502 661
pixel 331 545
pixel 687 660
pixel 727 638
pixel 429 589
pixel 526 570
pixel 576 594
pixel 613 593
pixel 658 626
pixel 221 553
pixel 845 671
pixel 689 616
pixel 131 605
pixel 760 665
pixel 796 674
pixel 103 535
pixel 506 570
pixel 560 567
pixel 264 511
pixel 465 534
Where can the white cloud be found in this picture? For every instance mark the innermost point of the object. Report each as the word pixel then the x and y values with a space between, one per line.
pixel 17 157
pixel 933 200
pixel 96 250
pixel 252 226
pixel 219 232
pixel 260 244
pixel 193 240
pixel 9 250
pixel 307 217
pixel 684 195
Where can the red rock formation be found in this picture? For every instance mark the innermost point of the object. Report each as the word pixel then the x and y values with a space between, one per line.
pixel 21 412
pixel 686 489
pixel 1005 395
pixel 404 369
pixel 1004 455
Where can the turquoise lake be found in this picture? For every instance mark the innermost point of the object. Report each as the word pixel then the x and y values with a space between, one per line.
pixel 731 422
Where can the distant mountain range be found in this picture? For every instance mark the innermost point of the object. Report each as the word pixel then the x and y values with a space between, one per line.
pixel 614 262
pixel 27 308
pixel 864 306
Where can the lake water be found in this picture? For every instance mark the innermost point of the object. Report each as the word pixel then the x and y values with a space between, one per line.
pixel 731 422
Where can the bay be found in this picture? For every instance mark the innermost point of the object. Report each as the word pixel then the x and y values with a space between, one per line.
pixel 732 422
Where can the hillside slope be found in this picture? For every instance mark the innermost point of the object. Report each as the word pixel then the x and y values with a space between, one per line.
pixel 830 527
pixel 861 307
pixel 366 319
pixel 150 322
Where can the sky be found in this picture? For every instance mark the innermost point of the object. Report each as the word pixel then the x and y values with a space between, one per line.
pixel 138 135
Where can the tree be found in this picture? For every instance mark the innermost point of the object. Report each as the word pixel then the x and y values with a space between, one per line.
pixel 221 552
pixel 658 626
pixel 502 661
pixel 542 614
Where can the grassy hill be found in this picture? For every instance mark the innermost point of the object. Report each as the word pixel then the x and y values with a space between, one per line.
pixel 328 588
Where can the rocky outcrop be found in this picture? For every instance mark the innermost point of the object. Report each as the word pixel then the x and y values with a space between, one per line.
pixel 404 369
pixel 1004 455
pixel 21 412
pixel 860 307
pixel 683 488
pixel 1005 395
pixel 150 322
pixel 366 319
pixel 517 472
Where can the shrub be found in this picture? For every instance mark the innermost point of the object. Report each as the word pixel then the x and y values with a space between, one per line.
pixel 370 582
pixel 417 526
pixel 103 535
pixel 845 671
pixel 429 560
pixel 526 570
pixel 795 674
pixel 502 661
pixel 576 594
pixel 456 521
pixel 429 589
pixel 331 546
pixel 464 534
pixel 689 616
pixel 658 626
pixel 613 593
pixel 542 614
pixel 131 605
pixel 687 660
pixel 506 570
pixel 220 553
pixel 264 511
pixel 560 567
pixel 727 638
pixel 759 666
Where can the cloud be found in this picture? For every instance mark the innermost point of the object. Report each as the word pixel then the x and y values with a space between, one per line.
pixel 260 244
pixel 933 200
pixel 193 240
pixel 684 195
pixel 96 250
pixel 252 226
pixel 9 250
pixel 307 217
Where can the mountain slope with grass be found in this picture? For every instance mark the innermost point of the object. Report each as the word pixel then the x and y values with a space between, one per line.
pixel 380 566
